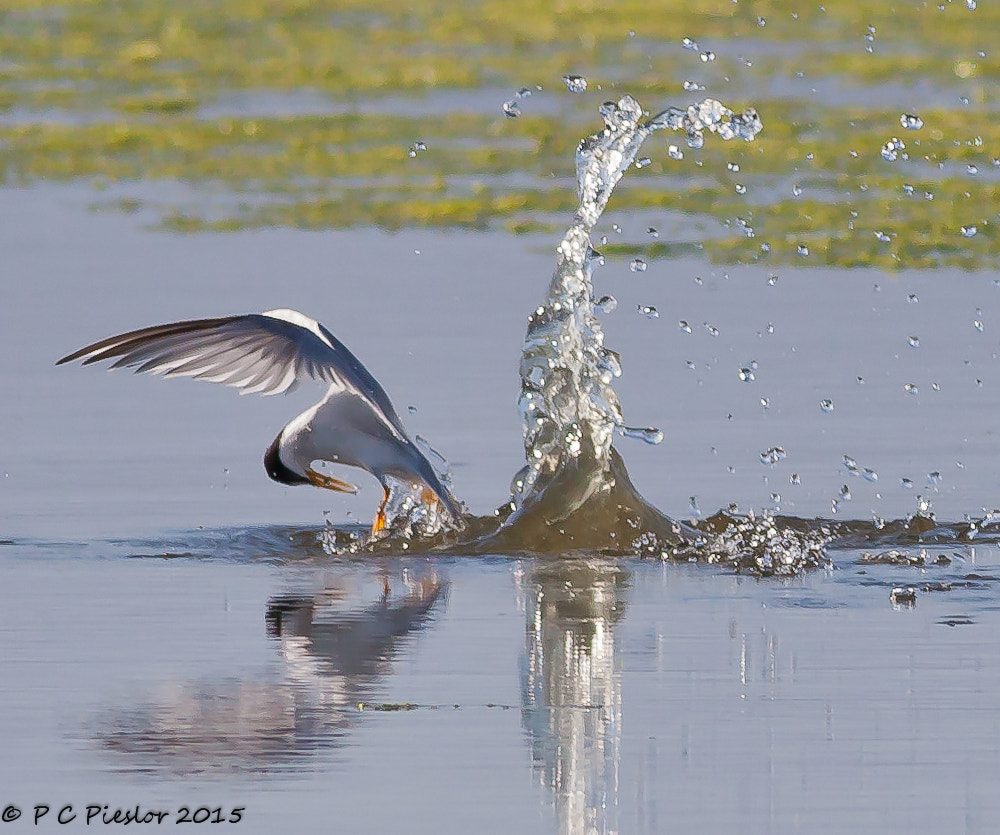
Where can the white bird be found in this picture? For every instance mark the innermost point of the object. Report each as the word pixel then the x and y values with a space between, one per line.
pixel 271 353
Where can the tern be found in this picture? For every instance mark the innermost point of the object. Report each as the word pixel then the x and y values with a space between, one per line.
pixel 272 353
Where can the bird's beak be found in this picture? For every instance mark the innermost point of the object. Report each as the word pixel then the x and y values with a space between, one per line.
pixel 330 483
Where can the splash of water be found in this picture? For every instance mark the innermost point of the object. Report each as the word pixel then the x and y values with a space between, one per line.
pixel 574 493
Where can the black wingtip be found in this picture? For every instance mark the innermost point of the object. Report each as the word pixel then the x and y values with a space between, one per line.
pixel 276 469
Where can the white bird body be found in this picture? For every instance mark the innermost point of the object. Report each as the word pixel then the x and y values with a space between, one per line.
pixel 269 353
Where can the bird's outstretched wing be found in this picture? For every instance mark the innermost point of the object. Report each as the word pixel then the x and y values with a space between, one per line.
pixel 260 353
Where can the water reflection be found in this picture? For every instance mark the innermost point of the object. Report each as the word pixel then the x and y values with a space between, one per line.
pixel 335 659
pixel 571 687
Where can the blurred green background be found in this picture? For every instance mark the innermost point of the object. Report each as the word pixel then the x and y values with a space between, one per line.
pixel 309 114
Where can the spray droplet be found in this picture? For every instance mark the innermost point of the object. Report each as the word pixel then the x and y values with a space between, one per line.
pixel 796 190
pixel 891 149
pixel 978 325
pixel 845 493
pixel 969 231
pixel 650 434
pixel 933 478
pixel 524 93
pixel 914 341
pixel 911 121
pixel 870 475
pixel 649 311
pixel 712 330
pixel 910 388
pixel 733 166
pixel 772 455
pixel 765 402
pixel 971 169
pixel 684 326
pixel 575 83
pixel 674 152
pixel 688 43
pixel 607 304
pixel 747 375
pixel 912 298
pixel 826 405
pixel 882 237
pixel 707 56
pixel 794 479
pixel 642 162
pixel 411 409
pixel 905 483
pixel 511 109
pixel 741 189
pixel 637 265
pixel 651 231
pixel 802 250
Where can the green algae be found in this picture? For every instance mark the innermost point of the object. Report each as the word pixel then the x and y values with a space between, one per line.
pixel 126 91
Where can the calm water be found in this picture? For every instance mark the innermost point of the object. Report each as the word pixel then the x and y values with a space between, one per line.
pixel 173 635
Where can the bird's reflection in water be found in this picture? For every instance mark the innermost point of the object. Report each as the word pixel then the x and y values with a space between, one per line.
pixel 334 658
pixel 571 687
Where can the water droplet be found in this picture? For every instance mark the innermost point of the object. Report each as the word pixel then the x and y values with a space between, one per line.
pixel 878 521
pixel 674 152
pixel 648 311
pixel 642 162
pixel 772 455
pixel 910 388
pixel 914 341
pixel 971 169
pixel 933 478
pixel 845 493
pixel 969 231
pixel 963 99
pixel 891 149
pixel 979 383
pixel 637 265
pixel 747 375
pixel 649 434
pixel 688 43
pixel 419 146
pixel 802 250
pixel 575 83
pixel 524 93
pixel 733 166
pixel 741 189
pixel 907 189
pixel 761 21
pixel 693 86
pixel 511 109
pixel 411 409
pixel 911 121
pixel 882 237
pixel 769 328
pixel 684 326
pixel 905 483
pixel 616 228
pixel 607 304
pixel 689 364
pixel 978 325
pixel 695 510
pixel 714 331
pixel 850 465
pixel 826 405
pixel 912 298
pixel 861 381
pixel 707 56
pixel 411 153
pixel 765 402
pixel 870 475
pixel 971 5
pixel 936 386
pixel 652 232
pixel 772 279
pixel 796 190
pixel 794 479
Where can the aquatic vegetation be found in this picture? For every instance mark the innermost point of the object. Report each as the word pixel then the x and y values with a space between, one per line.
pixel 306 114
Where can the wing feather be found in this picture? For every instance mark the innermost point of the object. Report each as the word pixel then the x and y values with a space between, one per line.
pixel 259 353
